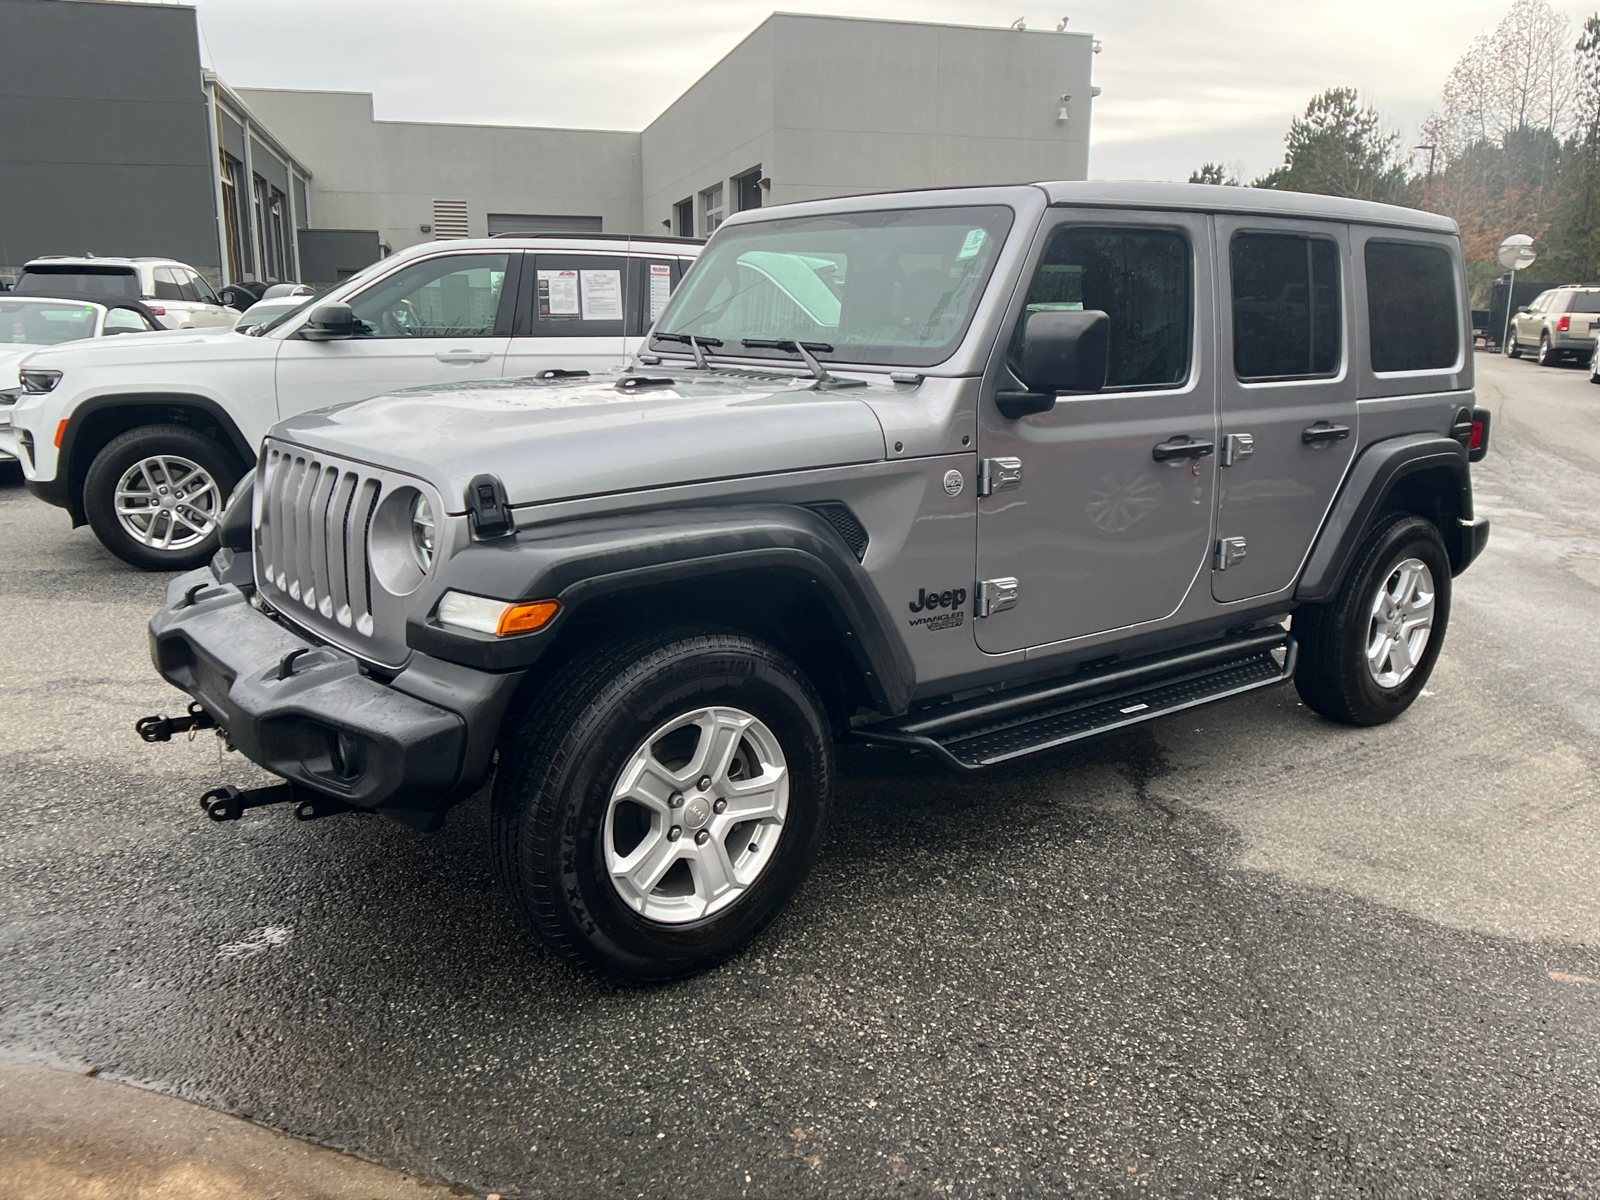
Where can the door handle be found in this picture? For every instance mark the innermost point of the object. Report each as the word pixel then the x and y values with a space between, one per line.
pixel 1322 431
pixel 464 356
pixel 1188 448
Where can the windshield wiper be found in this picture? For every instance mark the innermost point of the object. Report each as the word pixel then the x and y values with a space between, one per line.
pixel 825 381
pixel 694 341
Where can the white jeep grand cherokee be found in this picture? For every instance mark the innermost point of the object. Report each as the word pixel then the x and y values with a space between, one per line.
pixel 144 438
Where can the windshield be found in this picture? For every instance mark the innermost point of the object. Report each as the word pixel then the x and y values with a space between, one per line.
pixel 83 281
pixel 44 322
pixel 896 288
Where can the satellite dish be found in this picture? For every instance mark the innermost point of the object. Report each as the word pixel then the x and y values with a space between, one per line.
pixel 1517 253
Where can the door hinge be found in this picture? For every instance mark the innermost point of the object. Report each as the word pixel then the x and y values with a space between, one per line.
pixel 1236 447
pixel 1229 551
pixel 997 595
pixel 999 475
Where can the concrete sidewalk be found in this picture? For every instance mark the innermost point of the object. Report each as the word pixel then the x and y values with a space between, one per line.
pixel 70 1137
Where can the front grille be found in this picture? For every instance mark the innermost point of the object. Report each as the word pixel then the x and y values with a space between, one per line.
pixel 314 542
pixel 311 545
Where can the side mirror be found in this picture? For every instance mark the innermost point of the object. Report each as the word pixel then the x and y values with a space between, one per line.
pixel 1524 310
pixel 330 323
pixel 1058 352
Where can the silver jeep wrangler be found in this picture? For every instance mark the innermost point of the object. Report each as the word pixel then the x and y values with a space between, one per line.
pixel 973 472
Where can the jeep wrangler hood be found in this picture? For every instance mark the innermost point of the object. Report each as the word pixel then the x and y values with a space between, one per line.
pixel 558 439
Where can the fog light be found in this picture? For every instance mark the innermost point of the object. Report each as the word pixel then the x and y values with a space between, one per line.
pixel 499 617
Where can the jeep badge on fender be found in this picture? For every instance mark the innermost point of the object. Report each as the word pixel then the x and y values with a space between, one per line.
pixel 703 562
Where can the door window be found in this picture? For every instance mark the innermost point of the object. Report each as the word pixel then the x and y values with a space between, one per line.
pixel 1411 307
pixel 576 295
pixel 167 285
pixel 1286 309
pixel 1142 279
pixel 453 296
pixel 202 289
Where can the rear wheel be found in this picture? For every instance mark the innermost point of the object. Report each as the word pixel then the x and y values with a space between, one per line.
pixel 658 805
pixel 1594 363
pixel 1547 356
pixel 154 495
pixel 1365 657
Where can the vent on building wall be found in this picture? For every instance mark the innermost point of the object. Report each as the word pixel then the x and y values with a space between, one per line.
pixel 501 224
pixel 449 219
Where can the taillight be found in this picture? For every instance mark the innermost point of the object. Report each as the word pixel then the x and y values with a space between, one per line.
pixel 1564 324
pixel 157 309
pixel 1476 442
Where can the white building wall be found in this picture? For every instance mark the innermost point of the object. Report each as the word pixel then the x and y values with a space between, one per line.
pixel 385 175
pixel 832 106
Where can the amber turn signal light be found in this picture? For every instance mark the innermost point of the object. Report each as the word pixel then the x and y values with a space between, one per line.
pixel 525 618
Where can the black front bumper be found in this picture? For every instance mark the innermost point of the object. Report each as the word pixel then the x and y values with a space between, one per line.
pixel 408 748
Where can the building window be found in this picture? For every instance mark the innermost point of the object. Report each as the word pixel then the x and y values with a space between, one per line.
pixel 277 227
pixel 683 217
pixel 235 225
pixel 259 199
pixel 710 210
pixel 747 190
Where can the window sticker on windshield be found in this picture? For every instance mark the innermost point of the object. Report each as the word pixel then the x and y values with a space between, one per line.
pixel 972 245
pixel 660 288
pixel 558 293
pixel 602 295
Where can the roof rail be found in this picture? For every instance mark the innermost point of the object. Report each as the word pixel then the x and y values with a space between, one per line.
pixel 607 237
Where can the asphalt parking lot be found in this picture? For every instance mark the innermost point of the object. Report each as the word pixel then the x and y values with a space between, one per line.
pixel 1234 952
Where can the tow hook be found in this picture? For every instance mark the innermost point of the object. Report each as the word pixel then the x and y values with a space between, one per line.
pixel 228 803
pixel 161 727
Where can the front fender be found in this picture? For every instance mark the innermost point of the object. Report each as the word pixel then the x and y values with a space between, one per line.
pixel 579 562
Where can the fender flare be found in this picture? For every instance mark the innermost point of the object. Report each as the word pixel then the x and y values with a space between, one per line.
pixel 578 562
pixel 96 404
pixel 1377 471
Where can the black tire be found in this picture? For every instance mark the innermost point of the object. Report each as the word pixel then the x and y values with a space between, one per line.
pixel 1547 356
pixel 562 755
pixel 1512 349
pixel 120 455
pixel 1332 676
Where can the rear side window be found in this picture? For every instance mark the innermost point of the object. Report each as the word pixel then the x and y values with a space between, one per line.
pixel 576 295
pixel 1286 307
pixel 1142 280
pixel 78 281
pixel 1411 307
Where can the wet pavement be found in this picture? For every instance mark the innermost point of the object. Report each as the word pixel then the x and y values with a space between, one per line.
pixel 1238 951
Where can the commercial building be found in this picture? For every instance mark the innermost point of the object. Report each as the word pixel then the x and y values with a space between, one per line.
pixel 113 140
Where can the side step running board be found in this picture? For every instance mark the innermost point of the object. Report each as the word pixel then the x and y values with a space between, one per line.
pixel 995 729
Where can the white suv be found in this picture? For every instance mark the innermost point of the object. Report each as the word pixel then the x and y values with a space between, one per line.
pixel 174 291
pixel 143 438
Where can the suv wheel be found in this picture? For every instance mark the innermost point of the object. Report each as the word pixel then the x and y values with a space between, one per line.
pixel 1512 349
pixel 154 495
pixel 658 805
pixel 1594 363
pixel 1365 657
pixel 1547 357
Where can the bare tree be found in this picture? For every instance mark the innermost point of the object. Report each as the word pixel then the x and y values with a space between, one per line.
pixel 1518 77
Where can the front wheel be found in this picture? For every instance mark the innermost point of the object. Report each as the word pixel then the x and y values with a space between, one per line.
pixel 1511 348
pixel 1365 657
pixel 154 495
pixel 658 805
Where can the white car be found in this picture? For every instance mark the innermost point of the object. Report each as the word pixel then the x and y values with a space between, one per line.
pixel 174 291
pixel 29 323
pixel 144 438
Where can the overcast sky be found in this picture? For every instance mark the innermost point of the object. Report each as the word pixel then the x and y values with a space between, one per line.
pixel 1183 82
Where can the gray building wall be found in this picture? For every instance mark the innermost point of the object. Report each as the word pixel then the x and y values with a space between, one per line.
pixel 103 140
pixel 830 106
pixel 385 175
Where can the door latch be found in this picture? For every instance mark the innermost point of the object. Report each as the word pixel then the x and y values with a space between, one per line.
pixel 1230 550
pixel 1237 447
pixel 999 475
pixel 997 595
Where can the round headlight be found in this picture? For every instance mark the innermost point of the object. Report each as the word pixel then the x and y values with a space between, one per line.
pixel 422 531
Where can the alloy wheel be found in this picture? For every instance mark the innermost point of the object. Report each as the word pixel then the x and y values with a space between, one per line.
pixel 1400 623
pixel 168 502
pixel 696 815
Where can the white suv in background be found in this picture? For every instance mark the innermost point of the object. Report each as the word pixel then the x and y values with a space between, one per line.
pixel 143 438
pixel 174 291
